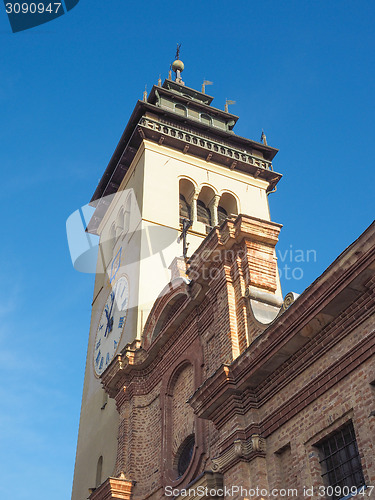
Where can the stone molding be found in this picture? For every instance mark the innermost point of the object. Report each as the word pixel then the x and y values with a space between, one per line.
pixel 265 359
pixel 114 488
pixel 226 384
pixel 240 450
pixel 192 138
pixel 140 357
pixel 207 481
pixel 194 357
pixel 252 238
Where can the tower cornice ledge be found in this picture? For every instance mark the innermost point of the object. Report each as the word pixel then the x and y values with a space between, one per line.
pixel 130 140
pixel 253 240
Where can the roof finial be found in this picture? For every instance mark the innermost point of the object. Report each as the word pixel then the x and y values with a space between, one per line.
pixel 178 66
pixel 159 81
pixel 227 103
pixel 263 138
pixel 145 94
pixel 178 51
pixel 205 82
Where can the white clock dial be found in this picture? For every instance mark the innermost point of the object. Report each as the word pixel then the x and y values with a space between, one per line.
pixel 111 325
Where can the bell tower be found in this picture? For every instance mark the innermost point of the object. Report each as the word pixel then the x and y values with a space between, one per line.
pixel 178 171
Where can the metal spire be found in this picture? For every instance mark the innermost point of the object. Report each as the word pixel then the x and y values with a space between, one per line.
pixel 178 51
pixel 178 66
pixel 263 138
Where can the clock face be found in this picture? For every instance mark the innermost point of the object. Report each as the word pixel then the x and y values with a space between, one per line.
pixel 111 325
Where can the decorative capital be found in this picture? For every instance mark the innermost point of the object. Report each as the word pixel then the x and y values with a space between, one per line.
pixel 114 488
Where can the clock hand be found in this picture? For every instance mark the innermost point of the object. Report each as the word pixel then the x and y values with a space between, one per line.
pixel 106 328
pixel 113 300
pixel 109 318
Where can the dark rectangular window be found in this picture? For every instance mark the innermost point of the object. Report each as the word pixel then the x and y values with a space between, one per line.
pixel 340 460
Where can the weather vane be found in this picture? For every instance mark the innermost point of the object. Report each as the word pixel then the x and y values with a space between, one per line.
pixel 206 82
pixel 178 51
pixel 227 103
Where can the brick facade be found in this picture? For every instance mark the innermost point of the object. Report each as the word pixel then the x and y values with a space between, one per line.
pixel 257 397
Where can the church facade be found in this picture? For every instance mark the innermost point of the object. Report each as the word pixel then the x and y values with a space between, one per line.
pixel 201 379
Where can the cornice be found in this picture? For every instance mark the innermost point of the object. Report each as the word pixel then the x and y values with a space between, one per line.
pixel 231 233
pixel 239 388
pixel 343 366
pixel 196 103
pixel 135 377
pixel 267 353
pixel 130 140
pixel 325 340
pixel 114 488
pixel 189 140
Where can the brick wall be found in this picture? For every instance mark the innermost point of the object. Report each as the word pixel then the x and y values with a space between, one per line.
pixel 182 416
pixel 260 398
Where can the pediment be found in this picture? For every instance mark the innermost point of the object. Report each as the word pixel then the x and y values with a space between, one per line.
pixel 166 310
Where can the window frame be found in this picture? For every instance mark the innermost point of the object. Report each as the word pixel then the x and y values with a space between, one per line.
pixel 335 471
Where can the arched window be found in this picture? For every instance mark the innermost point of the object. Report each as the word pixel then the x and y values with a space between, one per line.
pixel 180 446
pixel 185 454
pixel 205 202
pixel 227 207
pixel 206 119
pixel 222 214
pixel 184 209
pixel 203 213
pixel 99 468
pixel 180 109
pixel 187 190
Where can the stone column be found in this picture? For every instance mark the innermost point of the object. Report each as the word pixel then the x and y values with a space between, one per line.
pixel 212 206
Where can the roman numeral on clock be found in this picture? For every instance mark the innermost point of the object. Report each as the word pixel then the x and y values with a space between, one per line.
pixel 97 358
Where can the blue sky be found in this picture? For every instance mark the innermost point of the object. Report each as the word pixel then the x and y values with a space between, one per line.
pixel 302 71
